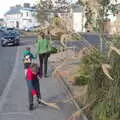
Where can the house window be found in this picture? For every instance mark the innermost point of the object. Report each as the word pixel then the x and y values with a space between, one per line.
pixel 30 20
pixel 21 14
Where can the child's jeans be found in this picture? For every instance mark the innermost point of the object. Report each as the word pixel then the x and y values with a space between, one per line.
pixel 33 89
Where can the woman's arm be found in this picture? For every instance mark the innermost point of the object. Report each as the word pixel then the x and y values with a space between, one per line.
pixel 38 47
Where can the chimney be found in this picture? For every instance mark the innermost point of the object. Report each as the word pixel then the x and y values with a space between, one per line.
pixel 26 5
pixel 12 7
pixel 18 6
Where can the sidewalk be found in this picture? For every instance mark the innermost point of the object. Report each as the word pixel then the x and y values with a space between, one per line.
pixel 14 101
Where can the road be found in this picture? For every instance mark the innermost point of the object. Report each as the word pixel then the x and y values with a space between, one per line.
pixel 94 39
pixel 7 60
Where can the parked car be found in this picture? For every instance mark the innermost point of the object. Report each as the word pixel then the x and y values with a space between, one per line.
pixel 3 28
pixel 6 29
pixel 10 38
pixel 29 29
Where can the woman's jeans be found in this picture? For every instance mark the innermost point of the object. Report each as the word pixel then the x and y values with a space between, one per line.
pixel 43 58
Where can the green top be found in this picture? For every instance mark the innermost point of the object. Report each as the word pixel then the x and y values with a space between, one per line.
pixel 42 46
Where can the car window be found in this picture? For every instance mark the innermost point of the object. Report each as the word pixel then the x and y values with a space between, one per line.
pixel 10 28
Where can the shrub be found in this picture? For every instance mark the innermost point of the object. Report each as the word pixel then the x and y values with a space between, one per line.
pixel 81 80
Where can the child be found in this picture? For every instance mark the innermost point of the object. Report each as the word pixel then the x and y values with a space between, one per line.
pixel 33 85
pixel 28 56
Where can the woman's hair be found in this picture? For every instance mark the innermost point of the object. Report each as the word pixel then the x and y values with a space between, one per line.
pixel 34 67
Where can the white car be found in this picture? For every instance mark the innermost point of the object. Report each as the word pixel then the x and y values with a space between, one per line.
pixel 29 29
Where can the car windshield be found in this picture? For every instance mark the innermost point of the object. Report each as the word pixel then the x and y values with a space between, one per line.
pixel 10 28
pixel 10 34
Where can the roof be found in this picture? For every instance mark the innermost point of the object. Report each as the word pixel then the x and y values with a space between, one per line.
pixel 13 10
pixel 16 10
pixel 77 8
pixel 28 9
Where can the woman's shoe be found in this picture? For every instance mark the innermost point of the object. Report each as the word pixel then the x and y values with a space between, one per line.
pixel 45 75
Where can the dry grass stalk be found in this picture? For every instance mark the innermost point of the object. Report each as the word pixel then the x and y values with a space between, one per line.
pixel 106 68
pixel 109 52
pixel 112 48
pixel 79 112
pixel 53 105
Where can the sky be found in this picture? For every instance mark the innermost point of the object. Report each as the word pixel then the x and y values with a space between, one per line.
pixel 6 4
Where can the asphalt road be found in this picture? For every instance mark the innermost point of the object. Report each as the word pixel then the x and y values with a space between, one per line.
pixel 7 60
pixel 94 39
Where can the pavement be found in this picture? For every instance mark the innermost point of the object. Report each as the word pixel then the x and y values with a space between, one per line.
pixel 14 100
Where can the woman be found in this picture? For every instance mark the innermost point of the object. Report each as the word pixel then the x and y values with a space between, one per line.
pixel 43 51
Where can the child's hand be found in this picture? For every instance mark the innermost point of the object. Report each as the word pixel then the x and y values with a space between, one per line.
pixel 38 77
pixel 34 73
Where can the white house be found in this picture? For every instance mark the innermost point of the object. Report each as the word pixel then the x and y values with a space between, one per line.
pixel 78 18
pixel 114 27
pixel 21 17
pixel 75 18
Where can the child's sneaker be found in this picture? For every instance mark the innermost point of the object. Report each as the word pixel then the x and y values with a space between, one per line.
pixel 31 107
pixel 35 97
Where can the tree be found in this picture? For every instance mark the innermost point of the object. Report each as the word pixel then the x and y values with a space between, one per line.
pixel 43 8
pixel 97 12
pixel 46 8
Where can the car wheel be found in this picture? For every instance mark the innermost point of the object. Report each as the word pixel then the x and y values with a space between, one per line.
pixel 17 43
pixel 2 44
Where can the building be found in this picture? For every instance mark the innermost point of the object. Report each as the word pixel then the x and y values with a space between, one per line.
pixel 2 23
pixel 78 18
pixel 21 16
pixel 114 27
pixel 74 19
